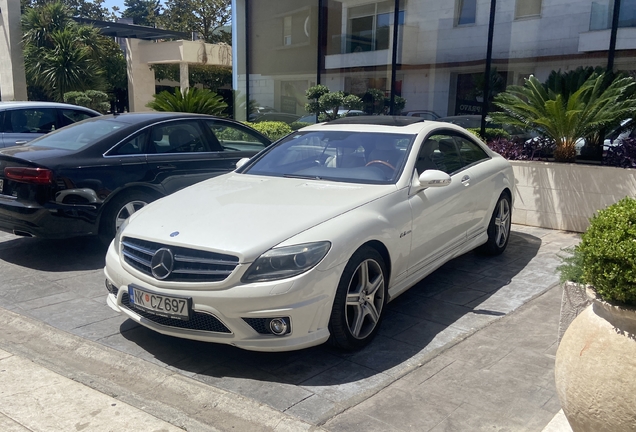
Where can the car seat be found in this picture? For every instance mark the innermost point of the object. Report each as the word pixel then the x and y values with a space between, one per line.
pixel 426 158
pixel 385 151
pixel 450 157
pixel 181 140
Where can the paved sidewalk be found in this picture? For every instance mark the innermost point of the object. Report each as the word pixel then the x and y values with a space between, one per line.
pixel 499 379
pixel 44 284
pixel 33 398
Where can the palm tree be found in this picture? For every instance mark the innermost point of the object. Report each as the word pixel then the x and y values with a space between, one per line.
pixel 66 67
pixel 193 100
pixel 587 110
pixel 59 54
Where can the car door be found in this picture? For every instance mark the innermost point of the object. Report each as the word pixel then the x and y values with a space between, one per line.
pixel 181 154
pixel 441 215
pixel 25 124
pixel 481 184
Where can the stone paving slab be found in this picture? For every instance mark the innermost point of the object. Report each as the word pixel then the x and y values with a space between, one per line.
pixel 499 379
pixel 61 284
pixel 33 398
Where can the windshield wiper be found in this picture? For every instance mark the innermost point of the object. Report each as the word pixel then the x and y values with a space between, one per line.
pixel 306 177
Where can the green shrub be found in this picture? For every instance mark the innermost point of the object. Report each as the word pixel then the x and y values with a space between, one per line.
pixel 93 99
pixel 271 129
pixel 299 125
pixel 193 100
pixel 490 133
pixel 606 256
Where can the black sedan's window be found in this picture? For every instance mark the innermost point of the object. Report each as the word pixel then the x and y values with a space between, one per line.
pixel 177 137
pixel 133 146
pixel 235 138
pixel 78 135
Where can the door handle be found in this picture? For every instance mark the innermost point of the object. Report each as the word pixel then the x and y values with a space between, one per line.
pixel 20 142
pixel 166 166
pixel 466 180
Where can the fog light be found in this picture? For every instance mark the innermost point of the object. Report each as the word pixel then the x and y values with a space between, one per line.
pixel 278 326
pixel 111 288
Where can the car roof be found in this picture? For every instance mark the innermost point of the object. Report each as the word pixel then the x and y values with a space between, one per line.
pixel 38 104
pixel 140 117
pixel 383 124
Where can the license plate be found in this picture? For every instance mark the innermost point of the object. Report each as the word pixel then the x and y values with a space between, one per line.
pixel 161 305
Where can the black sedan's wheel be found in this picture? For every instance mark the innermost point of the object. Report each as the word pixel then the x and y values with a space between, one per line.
pixel 499 227
pixel 360 299
pixel 120 209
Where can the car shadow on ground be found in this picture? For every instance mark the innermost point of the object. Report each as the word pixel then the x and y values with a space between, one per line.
pixel 446 306
pixel 75 254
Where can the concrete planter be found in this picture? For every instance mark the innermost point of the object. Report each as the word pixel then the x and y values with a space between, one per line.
pixel 595 369
pixel 564 196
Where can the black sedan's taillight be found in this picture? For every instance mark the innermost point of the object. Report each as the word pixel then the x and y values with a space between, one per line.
pixel 29 175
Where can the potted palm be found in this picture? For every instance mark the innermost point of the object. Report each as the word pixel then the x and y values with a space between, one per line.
pixel 563 117
pixel 596 360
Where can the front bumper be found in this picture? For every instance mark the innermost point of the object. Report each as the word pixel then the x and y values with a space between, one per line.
pixel 305 299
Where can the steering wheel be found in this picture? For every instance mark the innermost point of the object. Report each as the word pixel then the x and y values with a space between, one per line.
pixel 381 162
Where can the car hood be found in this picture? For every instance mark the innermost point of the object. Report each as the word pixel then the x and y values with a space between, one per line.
pixel 246 215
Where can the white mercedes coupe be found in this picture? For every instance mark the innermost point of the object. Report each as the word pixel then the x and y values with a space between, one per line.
pixel 307 241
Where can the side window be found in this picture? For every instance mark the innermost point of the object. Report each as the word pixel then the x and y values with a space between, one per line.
pixel 177 137
pixel 438 152
pixel 470 152
pixel 235 138
pixel 38 120
pixel 70 116
pixel 133 146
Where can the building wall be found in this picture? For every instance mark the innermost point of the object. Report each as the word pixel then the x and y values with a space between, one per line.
pixel 439 62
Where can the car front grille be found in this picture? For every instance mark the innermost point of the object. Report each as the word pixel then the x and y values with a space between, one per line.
pixel 198 321
pixel 190 265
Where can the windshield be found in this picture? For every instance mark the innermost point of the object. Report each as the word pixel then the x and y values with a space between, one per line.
pixel 355 157
pixel 77 135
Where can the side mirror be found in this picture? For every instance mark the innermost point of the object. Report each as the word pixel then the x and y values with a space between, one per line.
pixel 431 178
pixel 242 162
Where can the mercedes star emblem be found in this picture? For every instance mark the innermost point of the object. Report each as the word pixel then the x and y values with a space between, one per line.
pixel 162 263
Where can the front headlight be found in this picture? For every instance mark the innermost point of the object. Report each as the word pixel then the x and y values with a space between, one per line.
pixel 285 262
pixel 118 235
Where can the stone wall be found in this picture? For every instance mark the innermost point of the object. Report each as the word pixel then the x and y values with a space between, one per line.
pixel 564 196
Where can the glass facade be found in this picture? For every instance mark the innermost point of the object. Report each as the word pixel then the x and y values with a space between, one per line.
pixel 436 66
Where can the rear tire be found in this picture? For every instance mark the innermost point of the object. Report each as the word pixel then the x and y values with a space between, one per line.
pixel 118 210
pixel 499 227
pixel 360 299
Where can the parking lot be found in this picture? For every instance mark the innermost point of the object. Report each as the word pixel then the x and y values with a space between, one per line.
pixel 61 284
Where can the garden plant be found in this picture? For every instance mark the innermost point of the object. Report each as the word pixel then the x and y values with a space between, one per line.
pixel 564 119
pixel 193 100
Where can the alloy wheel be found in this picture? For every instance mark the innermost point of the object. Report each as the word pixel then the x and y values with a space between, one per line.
pixel 365 299
pixel 502 222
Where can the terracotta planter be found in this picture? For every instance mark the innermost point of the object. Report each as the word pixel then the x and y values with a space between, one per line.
pixel 595 369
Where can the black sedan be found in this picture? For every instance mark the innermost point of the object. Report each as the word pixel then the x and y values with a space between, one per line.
pixel 87 178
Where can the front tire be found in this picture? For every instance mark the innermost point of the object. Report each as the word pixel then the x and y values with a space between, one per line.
pixel 499 227
pixel 120 209
pixel 360 300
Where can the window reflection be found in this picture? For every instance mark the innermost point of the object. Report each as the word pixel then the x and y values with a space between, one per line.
pixel 467 12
